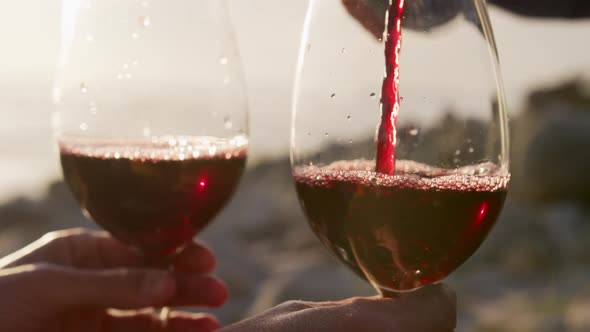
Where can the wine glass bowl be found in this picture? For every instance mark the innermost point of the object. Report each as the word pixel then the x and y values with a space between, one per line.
pixel 151 116
pixel 154 195
pixel 414 227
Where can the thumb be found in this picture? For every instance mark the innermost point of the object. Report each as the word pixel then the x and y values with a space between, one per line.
pixel 118 288
pixel 436 302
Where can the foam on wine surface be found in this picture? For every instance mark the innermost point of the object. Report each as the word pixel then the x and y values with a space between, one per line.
pixel 156 148
pixel 412 175
pixel 405 230
pixel 154 194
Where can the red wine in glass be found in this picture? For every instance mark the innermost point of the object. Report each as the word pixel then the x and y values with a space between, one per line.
pixel 155 195
pixel 403 231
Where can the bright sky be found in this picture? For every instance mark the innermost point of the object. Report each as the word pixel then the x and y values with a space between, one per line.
pixel 533 53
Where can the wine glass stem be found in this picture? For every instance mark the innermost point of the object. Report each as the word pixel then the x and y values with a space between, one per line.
pixel 164 314
pixel 159 262
pixel 389 294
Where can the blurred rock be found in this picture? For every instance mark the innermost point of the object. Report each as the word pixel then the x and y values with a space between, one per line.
pixel 24 220
pixel 557 165
pixel 550 157
pixel 520 243
pixel 576 315
pixel 319 281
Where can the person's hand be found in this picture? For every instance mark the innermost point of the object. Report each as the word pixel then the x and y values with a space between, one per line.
pixel 547 8
pixel 371 13
pixel 67 280
pixel 431 309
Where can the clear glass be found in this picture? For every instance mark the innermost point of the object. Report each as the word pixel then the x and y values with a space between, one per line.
pixel 150 115
pixel 453 121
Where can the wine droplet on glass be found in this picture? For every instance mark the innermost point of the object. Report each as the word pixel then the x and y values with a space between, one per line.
pixel 227 123
pixel 144 21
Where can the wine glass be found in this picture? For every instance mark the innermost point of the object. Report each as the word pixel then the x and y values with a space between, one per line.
pixel 415 225
pixel 151 117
